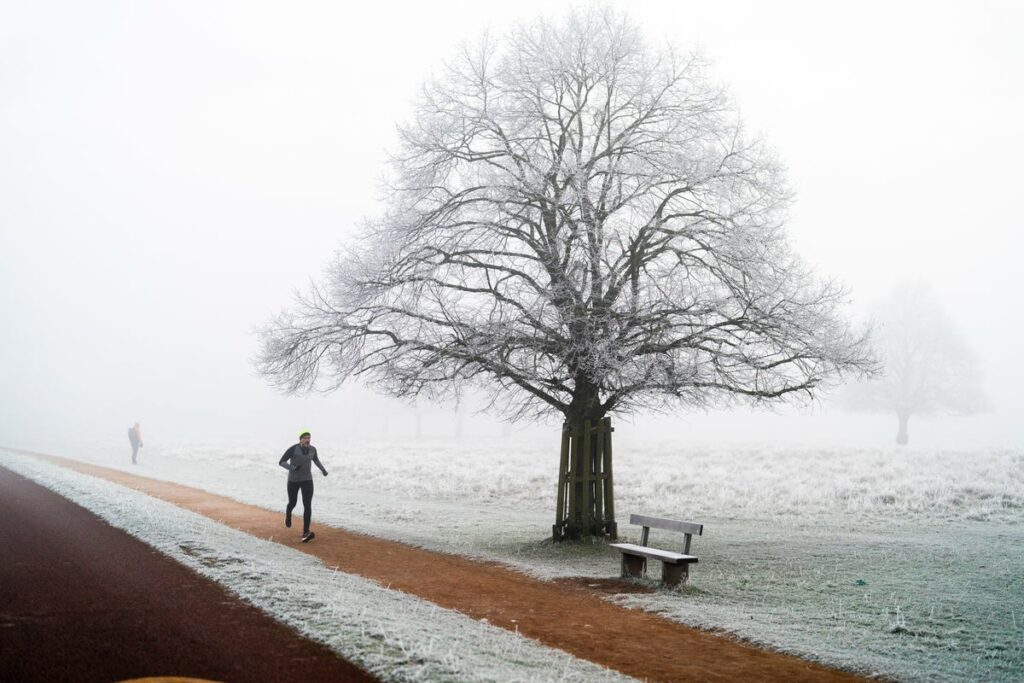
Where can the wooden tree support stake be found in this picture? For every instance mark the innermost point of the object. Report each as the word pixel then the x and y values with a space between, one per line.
pixel 585 498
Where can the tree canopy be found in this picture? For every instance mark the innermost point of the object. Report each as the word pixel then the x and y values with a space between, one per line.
pixel 928 366
pixel 578 223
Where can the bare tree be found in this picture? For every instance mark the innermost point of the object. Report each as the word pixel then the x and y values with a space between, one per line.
pixel 578 224
pixel 929 368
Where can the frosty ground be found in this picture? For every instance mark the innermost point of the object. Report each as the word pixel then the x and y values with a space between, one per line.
pixel 903 562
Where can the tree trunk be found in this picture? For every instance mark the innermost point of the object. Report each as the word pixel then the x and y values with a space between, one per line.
pixel 585 505
pixel 903 437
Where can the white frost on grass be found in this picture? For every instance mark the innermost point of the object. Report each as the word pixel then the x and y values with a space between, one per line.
pixel 903 561
pixel 395 636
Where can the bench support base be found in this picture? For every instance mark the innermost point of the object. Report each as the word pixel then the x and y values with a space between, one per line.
pixel 632 565
pixel 674 574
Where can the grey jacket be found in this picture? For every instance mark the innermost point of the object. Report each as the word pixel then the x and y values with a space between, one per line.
pixel 300 457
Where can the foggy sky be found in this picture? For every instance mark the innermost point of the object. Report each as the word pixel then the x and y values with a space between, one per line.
pixel 171 172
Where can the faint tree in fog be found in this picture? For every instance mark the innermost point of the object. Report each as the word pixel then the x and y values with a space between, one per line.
pixel 928 367
pixel 578 224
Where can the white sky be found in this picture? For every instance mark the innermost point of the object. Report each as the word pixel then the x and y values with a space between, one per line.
pixel 171 172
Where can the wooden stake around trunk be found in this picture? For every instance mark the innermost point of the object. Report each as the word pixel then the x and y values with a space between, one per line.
pixel 585 501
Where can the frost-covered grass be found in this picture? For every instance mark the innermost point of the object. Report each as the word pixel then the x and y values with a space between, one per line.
pixel 907 562
pixel 396 636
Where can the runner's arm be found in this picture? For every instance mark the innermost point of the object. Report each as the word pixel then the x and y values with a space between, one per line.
pixel 283 462
pixel 316 459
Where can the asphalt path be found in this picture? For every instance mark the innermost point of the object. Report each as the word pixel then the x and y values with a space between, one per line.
pixel 82 601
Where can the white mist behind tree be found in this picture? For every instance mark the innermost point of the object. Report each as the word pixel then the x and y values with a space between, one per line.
pixel 158 201
pixel 929 368
pixel 580 226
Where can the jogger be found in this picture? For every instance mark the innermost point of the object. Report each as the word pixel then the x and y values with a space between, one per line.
pixel 297 460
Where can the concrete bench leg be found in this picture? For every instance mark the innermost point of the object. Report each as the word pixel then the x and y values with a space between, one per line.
pixel 632 565
pixel 674 574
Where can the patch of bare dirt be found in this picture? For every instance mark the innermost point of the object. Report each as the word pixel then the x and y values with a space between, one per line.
pixel 591 585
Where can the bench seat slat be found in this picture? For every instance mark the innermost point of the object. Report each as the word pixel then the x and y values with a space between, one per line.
pixel 663 555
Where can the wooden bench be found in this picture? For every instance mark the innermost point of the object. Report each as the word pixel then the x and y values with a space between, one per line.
pixel 675 567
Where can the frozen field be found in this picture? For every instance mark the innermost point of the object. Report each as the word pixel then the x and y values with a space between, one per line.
pixel 902 562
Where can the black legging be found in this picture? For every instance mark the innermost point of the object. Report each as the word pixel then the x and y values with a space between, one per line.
pixel 307 501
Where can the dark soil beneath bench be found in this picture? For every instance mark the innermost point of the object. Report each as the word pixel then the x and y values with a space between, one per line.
pixel 591 585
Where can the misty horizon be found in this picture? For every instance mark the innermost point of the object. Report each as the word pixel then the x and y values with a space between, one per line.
pixel 174 174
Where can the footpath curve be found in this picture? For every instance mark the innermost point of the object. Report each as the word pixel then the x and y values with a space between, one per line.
pixel 83 601
pixel 558 614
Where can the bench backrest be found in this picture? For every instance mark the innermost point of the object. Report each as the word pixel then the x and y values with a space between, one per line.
pixel 688 529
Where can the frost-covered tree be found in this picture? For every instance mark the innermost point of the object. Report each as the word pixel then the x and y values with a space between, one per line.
pixel 929 368
pixel 579 225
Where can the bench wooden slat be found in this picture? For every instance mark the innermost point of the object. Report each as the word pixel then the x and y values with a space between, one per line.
pixel 663 555
pixel 671 524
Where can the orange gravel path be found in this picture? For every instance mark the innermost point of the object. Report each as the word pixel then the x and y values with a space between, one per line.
pixel 559 614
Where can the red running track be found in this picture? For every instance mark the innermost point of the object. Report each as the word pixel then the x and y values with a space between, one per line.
pixel 82 601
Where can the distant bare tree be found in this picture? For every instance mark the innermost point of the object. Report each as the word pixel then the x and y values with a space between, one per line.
pixel 579 225
pixel 929 368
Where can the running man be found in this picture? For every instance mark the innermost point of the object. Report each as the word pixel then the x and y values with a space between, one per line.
pixel 297 461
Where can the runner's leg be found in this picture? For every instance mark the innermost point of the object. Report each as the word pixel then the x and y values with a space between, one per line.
pixel 293 497
pixel 307 505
